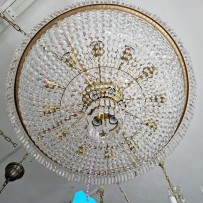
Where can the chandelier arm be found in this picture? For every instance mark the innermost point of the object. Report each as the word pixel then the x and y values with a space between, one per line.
pixel 60 58
pixel 74 123
pixel 14 25
pixel 75 54
pixel 162 166
pixel 19 29
pixel 77 120
pixel 141 121
pixel 125 151
pixel 99 66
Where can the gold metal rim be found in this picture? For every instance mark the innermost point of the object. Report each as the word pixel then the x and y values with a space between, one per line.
pixel 137 13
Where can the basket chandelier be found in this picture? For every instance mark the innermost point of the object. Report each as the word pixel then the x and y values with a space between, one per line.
pixel 102 74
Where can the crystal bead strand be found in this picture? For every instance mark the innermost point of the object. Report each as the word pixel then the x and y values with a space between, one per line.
pixel 91 162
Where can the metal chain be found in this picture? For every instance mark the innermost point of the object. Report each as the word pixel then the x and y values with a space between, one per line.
pixel 3 186
pixel 100 192
pixel 125 195
pixel 161 164
pixel 8 139
pixel 14 25
pixel 24 157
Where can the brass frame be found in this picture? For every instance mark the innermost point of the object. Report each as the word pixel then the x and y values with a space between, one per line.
pixel 99 7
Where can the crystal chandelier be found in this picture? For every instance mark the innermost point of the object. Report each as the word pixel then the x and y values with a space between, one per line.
pixel 106 76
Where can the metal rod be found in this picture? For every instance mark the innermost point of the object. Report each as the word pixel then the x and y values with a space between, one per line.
pixel 125 195
pixel 161 164
pixel 3 186
pixel 24 157
pixel 7 4
pixel 10 153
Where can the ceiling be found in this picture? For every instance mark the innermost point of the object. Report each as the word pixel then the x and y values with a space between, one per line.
pixel 185 165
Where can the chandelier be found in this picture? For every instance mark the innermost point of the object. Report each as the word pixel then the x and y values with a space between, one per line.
pixel 100 85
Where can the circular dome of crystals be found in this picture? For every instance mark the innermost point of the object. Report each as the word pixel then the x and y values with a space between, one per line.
pixel 101 76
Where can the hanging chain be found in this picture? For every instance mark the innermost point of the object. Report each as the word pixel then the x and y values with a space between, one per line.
pixel 8 139
pixel 91 163
pixel 161 164
pixel 14 25
pixel 125 195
